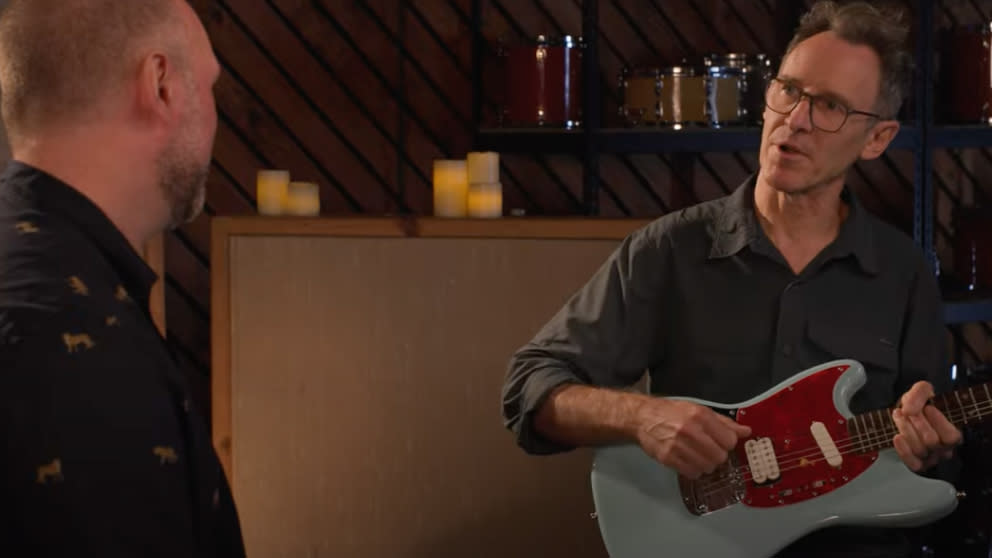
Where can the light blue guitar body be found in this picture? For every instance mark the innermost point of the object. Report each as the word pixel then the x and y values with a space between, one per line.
pixel 641 512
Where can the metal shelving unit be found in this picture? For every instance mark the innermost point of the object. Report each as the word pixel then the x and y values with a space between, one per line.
pixel 921 135
pixel 962 136
pixel 977 309
pixel 643 140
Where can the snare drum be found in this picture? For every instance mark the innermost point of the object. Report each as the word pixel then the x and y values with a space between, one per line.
pixel 967 61
pixel 758 72
pixel 735 90
pixel 723 96
pixel 683 96
pixel 640 96
pixel 543 82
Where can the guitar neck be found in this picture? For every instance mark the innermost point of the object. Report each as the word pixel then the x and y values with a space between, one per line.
pixel 964 407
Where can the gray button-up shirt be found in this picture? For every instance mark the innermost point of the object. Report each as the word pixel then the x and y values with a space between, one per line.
pixel 704 302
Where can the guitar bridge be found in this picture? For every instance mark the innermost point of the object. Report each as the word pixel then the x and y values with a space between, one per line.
pixel 720 489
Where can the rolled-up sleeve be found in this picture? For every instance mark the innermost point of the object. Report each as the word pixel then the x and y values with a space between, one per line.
pixel 607 334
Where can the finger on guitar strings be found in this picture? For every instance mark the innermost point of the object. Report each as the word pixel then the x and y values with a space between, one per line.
pixel 906 453
pixel 925 430
pixel 686 461
pixel 948 434
pixel 725 432
pixel 915 399
pixel 909 435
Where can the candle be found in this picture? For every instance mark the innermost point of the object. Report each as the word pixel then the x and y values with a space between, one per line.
pixel 483 167
pixel 450 187
pixel 270 191
pixel 303 199
pixel 485 200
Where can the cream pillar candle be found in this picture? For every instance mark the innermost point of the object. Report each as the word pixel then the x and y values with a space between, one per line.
pixel 450 188
pixel 270 191
pixel 485 200
pixel 303 199
pixel 483 167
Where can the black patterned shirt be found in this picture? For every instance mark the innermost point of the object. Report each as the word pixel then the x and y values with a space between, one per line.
pixel 103 452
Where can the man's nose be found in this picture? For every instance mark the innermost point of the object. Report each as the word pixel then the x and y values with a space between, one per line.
pixel 801 118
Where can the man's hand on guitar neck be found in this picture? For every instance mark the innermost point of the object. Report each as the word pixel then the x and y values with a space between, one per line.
pixel 925 435
pixel 687 437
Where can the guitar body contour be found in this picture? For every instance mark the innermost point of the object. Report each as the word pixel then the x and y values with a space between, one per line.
pixel 646 510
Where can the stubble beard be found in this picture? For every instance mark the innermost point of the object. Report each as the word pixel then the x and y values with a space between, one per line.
pixel 183 181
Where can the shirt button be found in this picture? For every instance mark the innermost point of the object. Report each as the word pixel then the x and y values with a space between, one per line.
pixel 216 498
pixel 186 405
pixel 787 349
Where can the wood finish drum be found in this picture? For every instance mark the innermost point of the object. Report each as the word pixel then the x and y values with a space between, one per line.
pixel 543 82
pixel 724 102
pixel 736 84
pixel 683 97
pixel 640 96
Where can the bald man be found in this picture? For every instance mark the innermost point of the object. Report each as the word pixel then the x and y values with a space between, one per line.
pixel 109 110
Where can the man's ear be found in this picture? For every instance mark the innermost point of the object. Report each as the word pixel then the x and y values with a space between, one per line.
pixel 155 94
pixel 880 136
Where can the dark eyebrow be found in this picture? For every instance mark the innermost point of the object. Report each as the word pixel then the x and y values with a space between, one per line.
pixel 829 95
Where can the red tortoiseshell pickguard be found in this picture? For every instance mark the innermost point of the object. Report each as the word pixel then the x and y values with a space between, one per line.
pixel 785 417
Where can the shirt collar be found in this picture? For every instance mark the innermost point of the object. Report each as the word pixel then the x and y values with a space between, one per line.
pixel 736 227
pixel 54 197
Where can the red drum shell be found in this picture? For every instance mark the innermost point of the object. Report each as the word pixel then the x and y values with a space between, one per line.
pixel 967 72
pixel 973 246
pixel 543 83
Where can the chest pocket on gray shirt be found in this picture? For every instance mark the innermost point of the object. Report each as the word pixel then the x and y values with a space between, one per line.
pixel 875 350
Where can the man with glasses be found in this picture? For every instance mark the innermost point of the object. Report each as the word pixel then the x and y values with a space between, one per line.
pixel 726 299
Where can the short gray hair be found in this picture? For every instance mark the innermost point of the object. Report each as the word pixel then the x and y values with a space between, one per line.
pixel 883 29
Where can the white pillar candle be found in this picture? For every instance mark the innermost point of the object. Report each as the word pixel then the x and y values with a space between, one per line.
pixel 483 167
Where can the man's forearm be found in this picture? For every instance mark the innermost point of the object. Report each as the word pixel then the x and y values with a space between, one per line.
pixel 581 415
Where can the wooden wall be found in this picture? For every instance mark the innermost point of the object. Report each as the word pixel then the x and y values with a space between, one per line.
pixel 361 96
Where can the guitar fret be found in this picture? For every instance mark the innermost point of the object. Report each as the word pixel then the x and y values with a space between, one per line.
pixel 874 432
pixel 947 406
pixel 974 402
pixel 886 428
pixel 865 430
pixel 883 419
pixel 961 406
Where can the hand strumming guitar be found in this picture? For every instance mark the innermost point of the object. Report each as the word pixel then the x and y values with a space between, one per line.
pixel 687 437
pixel 925 435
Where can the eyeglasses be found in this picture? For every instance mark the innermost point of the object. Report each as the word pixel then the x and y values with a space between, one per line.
pixel 825 113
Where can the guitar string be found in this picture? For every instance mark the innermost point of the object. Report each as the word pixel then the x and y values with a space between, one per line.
pixel 864 441
pixel 958 414
pixel 721 483
pixel 811 453
pixel 886 428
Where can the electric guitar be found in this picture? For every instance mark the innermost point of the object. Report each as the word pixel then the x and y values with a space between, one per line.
pixel 808 464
